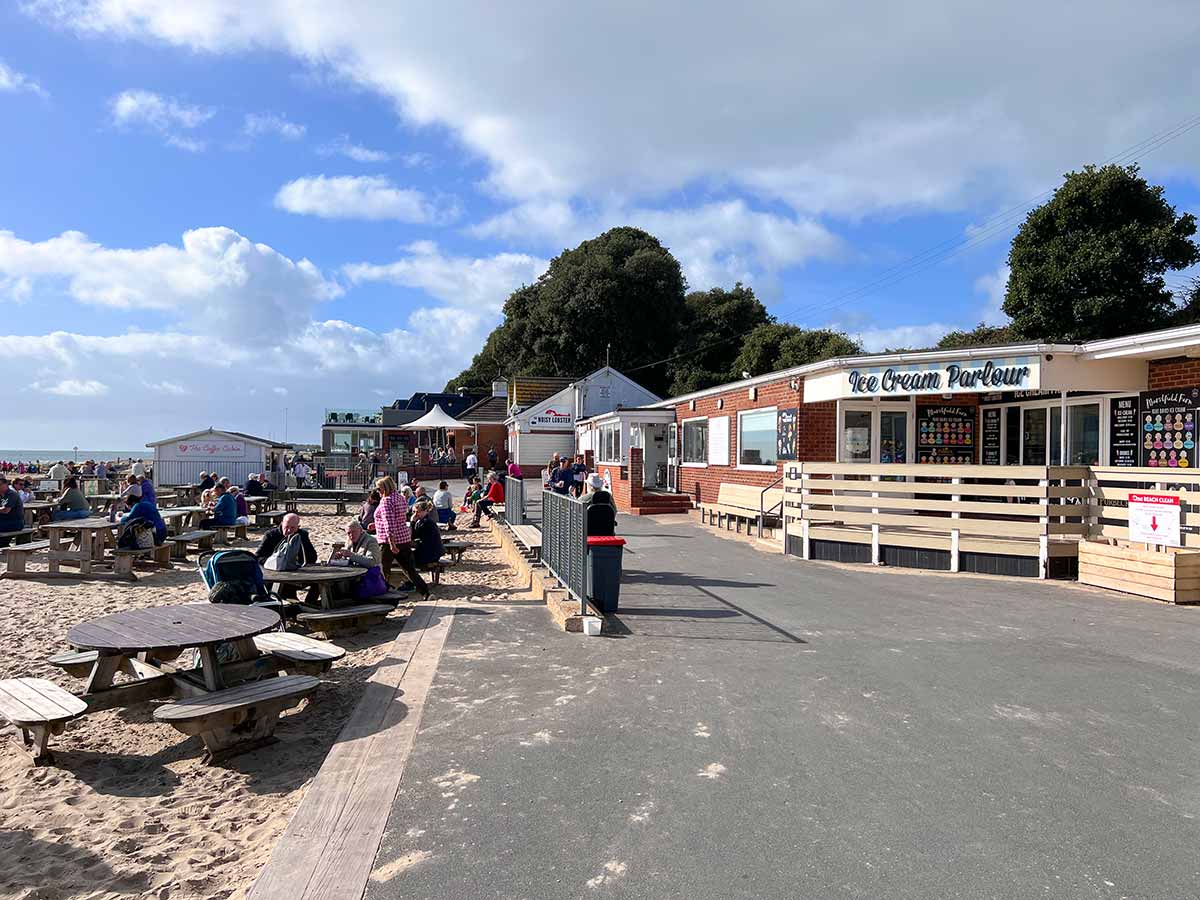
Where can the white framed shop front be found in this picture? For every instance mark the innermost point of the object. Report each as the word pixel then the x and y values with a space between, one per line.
pixel 877 431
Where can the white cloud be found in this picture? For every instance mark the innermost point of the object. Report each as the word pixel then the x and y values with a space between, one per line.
pixel 370 197
pixel 343 146
pixel 215 276
pixel 164 116
pixel 806 107
pixel 993 286
pixel 458 281
pixel 875 340
pixel 165 387
pixel 14 82
pixel 72 387
pixel 259 124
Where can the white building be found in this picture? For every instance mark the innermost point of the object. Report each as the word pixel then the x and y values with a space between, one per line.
pixel 538 432
pixel 181 459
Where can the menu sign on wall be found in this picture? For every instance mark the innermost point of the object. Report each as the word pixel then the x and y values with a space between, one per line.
pixel 946 435
pixel 1123 432
pixel 1168 427
pixel 785 433
pixel 990 446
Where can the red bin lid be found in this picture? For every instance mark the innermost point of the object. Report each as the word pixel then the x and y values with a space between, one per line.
pixel 606 542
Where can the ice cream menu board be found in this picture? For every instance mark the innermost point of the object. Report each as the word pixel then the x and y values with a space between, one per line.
pixel 1168 427
pixel 990 446
pixel 785 433
pixel 946 435
pixel 1123 431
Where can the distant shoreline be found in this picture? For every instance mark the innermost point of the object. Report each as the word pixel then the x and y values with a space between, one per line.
pixel 15 456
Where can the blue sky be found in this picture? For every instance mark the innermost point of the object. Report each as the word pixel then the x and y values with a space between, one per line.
pixel 361 186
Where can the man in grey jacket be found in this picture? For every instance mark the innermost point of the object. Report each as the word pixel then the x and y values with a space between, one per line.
pixel 362 549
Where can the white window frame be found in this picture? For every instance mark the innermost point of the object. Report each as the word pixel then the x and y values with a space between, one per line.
pixel 682 433
pixel 601 453
pixel 1049 404
pixel 737 446
pixel 875 407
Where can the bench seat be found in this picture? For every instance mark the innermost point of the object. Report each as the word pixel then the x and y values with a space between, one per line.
pixel 15 556
pixel 21 536
pixel 238 718
pixel 739 503
pixel 123 557
pixel 180 542
pixel 222 533
pixel 291 504
pixel 39 708
pixel 75 662
pixel 529 537
pixel 267 519
pixel 348 618
pixel 295 651
pixel 455 549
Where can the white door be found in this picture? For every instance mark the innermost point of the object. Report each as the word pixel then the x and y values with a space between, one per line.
pixel 673 458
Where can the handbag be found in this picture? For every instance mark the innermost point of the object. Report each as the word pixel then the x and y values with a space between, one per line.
pixel 371 585
pixel 288 557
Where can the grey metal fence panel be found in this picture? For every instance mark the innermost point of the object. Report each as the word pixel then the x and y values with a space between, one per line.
pixel 514 500
pixel 564 543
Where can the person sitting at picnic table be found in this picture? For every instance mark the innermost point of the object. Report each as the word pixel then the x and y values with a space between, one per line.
pixel 366 515
pixel 288 526
pixel 12 510
pixel 243 510
pixel 23 487
pixel 363 549
pixel 101 471
pixel 562 479
pixel 443 502
pixel 206 482
pixel 600 510
pixel 71 504
pixel 495 494
pixel 394 535
pixel 58 471
pixel 224 511
pixel 254 487
pixel 140 508
pixel 427 537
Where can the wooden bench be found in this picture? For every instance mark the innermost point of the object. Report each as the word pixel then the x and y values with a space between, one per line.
pixel 180 543
pixel 75 662
pixel 39 708
pixel 17 555
pixel 350 618
pixel 267 519
pixel 529 537
pixel 237 719
pixel 222 533
pixel 292 504
pixel 740 503
pixel 295 651
pixel 455 549
pixel 435 569
pixel 22 536
pixel 123 558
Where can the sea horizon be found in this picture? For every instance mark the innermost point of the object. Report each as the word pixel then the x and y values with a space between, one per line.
pixel 70 455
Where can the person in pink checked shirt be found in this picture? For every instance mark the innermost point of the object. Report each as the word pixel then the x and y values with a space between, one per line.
pixel 394 535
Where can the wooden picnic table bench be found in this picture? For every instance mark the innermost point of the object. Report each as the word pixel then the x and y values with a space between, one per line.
pixel 529 537
pixel 33 507
pixel 16 556
pixel 21 536
pixel 326 578
pixel 39 708
pixel 123 558
pixel 293 504
pixel 268 519
pixel 94 536
pixel 740 503
pixel 299 653
pixel 359 618
pixel 455 549
pixel 223 532
pixel 180 542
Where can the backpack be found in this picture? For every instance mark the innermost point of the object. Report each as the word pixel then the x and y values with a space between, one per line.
pixel 138 534
pixel 232 576
pixel 288 556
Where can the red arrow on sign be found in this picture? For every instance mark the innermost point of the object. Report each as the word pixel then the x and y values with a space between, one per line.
pixel 1154 523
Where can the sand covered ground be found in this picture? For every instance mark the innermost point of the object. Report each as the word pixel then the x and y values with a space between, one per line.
pixel 129 809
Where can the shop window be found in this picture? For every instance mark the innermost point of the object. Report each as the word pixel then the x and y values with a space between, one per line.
pixel 1012 436
pixel 695 441
pixel 1083 434
pixel 893 436
pixel 609 443
pixel 340 442
pixel 1033 437
pixel 756 438
pixel 856 436
pixel 1054 438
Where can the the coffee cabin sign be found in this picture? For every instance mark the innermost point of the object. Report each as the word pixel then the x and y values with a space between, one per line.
pixel 951 378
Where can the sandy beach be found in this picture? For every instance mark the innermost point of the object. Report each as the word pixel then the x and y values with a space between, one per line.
pixel 129 809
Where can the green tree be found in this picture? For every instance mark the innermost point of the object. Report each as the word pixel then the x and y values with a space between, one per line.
pixel 982 335
pixel 1089 263
pixel 622 290
pixel 714 323
pixel 780 346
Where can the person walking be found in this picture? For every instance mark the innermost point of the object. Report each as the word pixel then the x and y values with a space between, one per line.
pixel 395 536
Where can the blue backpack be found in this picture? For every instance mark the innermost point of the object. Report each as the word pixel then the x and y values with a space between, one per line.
pixel 232 576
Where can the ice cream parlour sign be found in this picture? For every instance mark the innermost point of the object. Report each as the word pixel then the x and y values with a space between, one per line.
pixel 967 377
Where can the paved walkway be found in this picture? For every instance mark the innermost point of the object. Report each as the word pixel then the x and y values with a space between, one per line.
pixel 775 729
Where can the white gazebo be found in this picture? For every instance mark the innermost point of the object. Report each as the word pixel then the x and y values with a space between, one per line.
pixel 437 419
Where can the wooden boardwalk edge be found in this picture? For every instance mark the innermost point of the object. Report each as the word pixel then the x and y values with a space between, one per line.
pixel 328 850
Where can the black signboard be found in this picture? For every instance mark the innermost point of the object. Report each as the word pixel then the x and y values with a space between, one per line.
pixel 785 433
pixel 990 445
pixel 1123 431
pixel 946 435
pixel 1168 427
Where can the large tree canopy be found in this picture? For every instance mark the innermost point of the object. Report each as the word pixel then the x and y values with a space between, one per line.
pixel 715 322
pixel 982 335
pixel 1089 263
pixel 780 346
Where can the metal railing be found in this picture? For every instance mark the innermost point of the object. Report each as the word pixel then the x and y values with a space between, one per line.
pixel 564 543
pixel 514 500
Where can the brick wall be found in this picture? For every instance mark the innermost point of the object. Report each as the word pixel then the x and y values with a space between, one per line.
pixel 626 481
pixel 1176 372
pixel 816 426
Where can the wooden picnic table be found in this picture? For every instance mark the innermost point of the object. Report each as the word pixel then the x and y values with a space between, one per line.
pixel 324 577
pixel 33 507
pixel 95 535
pixel 101 502
pixel 179 519
pixel 165 630
pixel 256 504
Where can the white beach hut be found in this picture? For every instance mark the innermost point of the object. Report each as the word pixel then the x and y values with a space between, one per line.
pixel 181 459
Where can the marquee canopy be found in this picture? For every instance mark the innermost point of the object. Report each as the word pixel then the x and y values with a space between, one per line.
pixel 434 419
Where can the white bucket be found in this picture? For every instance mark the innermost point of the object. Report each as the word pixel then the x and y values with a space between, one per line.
pixel 591 626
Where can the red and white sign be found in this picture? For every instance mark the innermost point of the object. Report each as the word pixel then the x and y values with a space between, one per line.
pixel 1154 519
pixel 551 418
pixel 210 450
